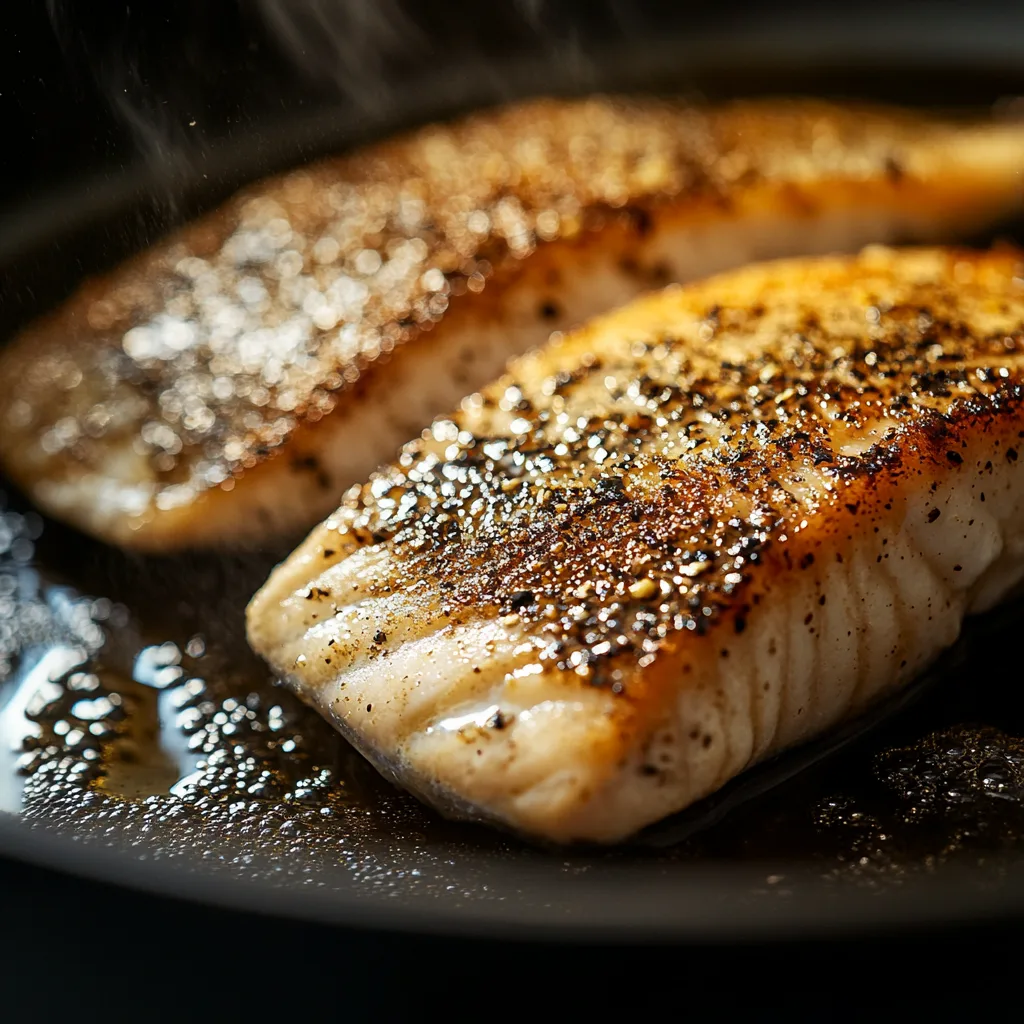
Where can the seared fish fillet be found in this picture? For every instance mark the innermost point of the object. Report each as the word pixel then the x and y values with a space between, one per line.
pixel 677 541
pixel 226 386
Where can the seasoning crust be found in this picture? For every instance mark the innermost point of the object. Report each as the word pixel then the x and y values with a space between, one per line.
pixel 227 346
pixel 632 493
pixel 800 474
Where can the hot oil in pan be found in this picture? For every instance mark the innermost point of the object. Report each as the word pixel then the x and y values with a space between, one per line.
pixel 140 715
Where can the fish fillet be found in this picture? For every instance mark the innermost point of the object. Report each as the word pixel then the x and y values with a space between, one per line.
pixel 674 542
pixel 226 386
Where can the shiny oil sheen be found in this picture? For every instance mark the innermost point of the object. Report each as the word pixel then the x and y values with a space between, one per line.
pixel 131 712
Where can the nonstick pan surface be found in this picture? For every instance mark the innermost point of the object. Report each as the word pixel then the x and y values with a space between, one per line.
pixel 141 743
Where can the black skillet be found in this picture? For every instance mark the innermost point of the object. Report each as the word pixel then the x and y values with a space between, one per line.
pixel 913 816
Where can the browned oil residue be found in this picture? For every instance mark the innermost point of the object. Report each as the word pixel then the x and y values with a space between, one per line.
pixel 957 793
pixel 166 733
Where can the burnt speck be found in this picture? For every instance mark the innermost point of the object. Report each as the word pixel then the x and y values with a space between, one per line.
pixel 934 514
pixel 612 485
pixel 380 637
pixel 641 220
pixel 521 599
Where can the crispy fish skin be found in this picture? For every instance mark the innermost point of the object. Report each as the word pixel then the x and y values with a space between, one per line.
pixel 672 543
pixel 226 386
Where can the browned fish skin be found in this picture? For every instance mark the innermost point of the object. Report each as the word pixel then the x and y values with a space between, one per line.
pixel 374 290
pixel 704 527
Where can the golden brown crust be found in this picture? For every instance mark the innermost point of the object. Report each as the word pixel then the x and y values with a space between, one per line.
pixel 204 356
pixel 645 481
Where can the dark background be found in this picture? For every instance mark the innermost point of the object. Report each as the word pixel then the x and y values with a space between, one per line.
pixel 89 89
pixel 99 85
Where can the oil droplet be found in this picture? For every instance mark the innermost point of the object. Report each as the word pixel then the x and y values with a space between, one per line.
pixel 18 731
pixel 158 666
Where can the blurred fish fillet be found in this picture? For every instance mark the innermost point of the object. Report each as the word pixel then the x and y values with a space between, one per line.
pixel 670 544
pixel 226 386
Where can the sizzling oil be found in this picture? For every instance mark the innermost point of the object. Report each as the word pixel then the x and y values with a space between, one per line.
pixel 138 715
